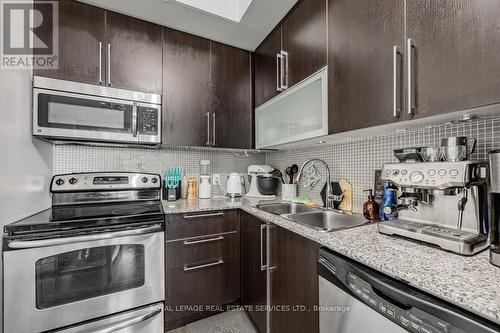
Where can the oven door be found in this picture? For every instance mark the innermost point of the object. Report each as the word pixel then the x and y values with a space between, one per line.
pixel 66 115
pixel 53 283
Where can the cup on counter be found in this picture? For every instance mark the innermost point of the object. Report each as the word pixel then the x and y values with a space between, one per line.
pixel 288 191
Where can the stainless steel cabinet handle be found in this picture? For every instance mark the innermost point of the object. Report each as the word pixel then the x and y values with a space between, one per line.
pixel 130 322
pixel 100 62
pixel 201 241
pixel 284 70
pixel 187 268
pixel 203 215
pixel 278 72
pixel 411 91
pixel 208 128
pixel 134 120
pixel 213 129
pixel 109 64
pixel 70 240
pixel 262 266
pixel 396 61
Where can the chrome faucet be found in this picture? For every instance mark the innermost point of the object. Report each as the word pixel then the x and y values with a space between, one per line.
pixel 330 197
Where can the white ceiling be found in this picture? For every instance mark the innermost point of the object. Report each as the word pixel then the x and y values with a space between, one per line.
pixel 259 19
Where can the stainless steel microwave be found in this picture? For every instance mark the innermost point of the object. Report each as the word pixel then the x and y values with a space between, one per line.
pixel 66 110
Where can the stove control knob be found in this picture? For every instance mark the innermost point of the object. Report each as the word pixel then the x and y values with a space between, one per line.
pixel 454 173
pixel 395 172
pixel 416 177
pixel 73 181
pixel 144 179
pixel 59 181
pixel 154 180
pixel 431 172
pixel 404 172
pixel 442 172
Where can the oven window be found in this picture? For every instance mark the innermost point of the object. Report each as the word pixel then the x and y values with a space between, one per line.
pixel 87 273
pixel 83 114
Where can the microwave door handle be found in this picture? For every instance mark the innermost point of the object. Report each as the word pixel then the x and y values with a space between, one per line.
pixel 134 120
pixel 113 327
pixel 70 240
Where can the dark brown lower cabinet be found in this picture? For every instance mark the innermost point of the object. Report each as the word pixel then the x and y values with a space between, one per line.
pixel 253 252
pixel 202 268
pixel 293 282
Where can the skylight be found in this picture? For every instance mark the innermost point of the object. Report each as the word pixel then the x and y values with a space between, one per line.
pixel 233 10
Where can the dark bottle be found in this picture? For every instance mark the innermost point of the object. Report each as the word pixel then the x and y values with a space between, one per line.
pixel 371 208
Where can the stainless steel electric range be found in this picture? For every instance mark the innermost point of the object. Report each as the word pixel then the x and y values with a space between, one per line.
pixel 93 262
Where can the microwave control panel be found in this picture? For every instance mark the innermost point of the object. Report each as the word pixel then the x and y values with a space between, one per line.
pixel 148 120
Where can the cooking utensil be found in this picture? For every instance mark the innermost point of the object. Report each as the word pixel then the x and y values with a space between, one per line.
pixel 277 173
pixel 431 154
pixel 289 173
pixel 294 169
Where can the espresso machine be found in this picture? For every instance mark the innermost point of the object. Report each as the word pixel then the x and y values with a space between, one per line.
pixel 495 207
pixel 441 203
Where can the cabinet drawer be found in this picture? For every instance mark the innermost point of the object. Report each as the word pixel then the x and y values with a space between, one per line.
pixel 210 283
pixel 180 226
pixel 193 251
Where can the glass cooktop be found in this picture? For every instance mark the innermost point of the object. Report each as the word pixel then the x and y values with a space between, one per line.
pixel 60 218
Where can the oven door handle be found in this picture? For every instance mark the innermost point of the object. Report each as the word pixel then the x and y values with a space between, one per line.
pixel 156 310
pixel 15 244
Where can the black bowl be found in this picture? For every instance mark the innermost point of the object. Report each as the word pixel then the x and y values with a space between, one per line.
pixel 267 185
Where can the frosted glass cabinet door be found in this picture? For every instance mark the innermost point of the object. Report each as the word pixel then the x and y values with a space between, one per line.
pixel 298 113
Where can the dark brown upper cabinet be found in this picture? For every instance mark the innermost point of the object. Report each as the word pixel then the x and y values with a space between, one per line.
pixel 133 53
pixel 253 254
pixel 101 47
pixel 231 104
pixel 304 40
pixel 81 28
pixel 366 44
pixel 454 55
pixel 266 67
pixel 294 50
pixel 186 89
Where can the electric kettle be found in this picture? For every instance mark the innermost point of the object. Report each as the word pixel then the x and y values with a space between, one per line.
pixel 234 185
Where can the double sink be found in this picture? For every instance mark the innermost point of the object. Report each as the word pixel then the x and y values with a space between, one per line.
pixel 317 218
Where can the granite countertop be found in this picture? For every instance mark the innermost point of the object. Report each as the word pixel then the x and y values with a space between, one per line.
pixel 469 282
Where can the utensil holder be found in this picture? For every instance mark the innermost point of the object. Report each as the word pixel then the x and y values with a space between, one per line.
pixel 288 191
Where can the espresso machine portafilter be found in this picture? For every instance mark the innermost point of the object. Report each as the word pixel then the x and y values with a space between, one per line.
pixel 495 207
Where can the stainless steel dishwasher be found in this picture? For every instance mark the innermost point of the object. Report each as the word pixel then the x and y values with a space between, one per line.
pixel 354 298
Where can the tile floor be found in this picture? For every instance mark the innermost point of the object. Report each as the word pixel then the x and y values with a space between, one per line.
pixel 226 322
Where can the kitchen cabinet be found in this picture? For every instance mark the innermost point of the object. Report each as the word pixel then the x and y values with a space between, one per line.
pixel 133 54
pixel 304 40
pixel 366 47
pixel 293 51
pixel 202 264
pixel 253 271
pixel 111 49
pixel 266 67
pixel 231 104
pixel 293 282
pixel 77 61
pixel 279 269
pixel 454 55
pixel 186 90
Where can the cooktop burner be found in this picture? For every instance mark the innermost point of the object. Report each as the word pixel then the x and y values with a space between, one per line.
pixel 86 216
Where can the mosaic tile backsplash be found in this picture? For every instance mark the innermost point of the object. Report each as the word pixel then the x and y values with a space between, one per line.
pixel 76 158
pixel 356 161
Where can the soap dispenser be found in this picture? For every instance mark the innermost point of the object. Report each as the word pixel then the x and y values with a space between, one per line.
pixel 371 207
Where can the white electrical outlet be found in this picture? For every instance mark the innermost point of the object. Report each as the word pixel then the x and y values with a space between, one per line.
pixel 216 179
